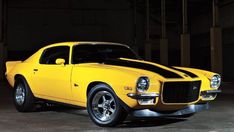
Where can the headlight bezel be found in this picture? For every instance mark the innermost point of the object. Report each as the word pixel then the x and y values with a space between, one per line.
pixel 142 79
pixel 215 81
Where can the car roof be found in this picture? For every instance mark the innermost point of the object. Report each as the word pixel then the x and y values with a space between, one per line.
pixel 82 42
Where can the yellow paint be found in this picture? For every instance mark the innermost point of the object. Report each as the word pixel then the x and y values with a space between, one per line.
pixel 69 83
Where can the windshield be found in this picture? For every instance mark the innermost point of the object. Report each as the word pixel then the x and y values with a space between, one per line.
pixel 85 53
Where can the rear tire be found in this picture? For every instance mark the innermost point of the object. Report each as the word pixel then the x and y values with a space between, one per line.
pixel 23 96
pixel 104 107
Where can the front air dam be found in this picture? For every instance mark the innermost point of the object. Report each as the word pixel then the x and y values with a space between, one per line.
pixel 188 110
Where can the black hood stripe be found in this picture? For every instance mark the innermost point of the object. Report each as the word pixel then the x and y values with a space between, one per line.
pixel 186 72
pixel 143 66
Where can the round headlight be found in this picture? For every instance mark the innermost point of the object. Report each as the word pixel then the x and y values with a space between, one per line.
pixel 142 84
pixel 215 81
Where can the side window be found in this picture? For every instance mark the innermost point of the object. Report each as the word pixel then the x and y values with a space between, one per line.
pixel 50 55
pixel 81 53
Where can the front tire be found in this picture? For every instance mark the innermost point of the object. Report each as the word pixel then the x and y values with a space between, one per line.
pixel 104 107
pixel 23 96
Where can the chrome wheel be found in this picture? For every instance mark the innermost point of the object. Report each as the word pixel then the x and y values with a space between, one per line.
pixel 103 106
pixel 20 94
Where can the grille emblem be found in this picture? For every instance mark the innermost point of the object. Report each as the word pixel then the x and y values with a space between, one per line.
pixel 195 88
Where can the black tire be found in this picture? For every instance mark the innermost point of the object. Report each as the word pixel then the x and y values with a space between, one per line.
pixel 27 105
pixel 116 117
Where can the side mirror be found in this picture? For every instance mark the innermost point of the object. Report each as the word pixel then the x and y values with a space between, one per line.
pixel 60 61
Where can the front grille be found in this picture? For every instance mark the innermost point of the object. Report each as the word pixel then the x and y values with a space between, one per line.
pixel 181 92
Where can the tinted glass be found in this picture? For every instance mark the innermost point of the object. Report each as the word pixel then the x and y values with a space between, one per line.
pixel 50 55
pixel 98 53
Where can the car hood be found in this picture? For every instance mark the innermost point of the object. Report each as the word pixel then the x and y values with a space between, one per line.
pixel 145 68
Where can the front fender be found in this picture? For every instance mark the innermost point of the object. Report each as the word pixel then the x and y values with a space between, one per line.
pixel 122 82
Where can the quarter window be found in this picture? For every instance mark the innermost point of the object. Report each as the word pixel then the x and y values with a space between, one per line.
pixel 50 55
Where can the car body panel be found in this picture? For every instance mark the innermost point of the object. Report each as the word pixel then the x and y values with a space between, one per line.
pixel 69 83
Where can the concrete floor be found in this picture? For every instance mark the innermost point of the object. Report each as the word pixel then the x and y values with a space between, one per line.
pixel 219 118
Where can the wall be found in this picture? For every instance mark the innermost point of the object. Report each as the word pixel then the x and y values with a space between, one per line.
pixel 36 23
pixel 33 24
pixel 200 40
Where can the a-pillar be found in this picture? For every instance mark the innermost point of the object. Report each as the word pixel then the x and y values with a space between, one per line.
pixel 163 40
pixel 216 41
pixel 185 37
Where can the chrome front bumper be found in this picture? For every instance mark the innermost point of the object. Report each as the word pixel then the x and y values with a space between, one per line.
pixel 188 110
pixel 143 95
pixel 211 92
pixel 144 98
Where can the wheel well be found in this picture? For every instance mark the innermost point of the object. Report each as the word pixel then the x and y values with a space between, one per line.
pixel 19 76
pixel 92 84
pixel 22 78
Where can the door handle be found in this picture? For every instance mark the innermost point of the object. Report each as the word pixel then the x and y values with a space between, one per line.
pixel 35 70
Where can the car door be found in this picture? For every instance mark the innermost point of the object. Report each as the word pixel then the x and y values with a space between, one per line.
pixel 52 81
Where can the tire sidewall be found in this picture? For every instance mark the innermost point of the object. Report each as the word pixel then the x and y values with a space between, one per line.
pixel 28 101
pixel 92 93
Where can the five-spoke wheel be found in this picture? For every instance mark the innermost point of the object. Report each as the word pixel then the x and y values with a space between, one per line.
pixel 104 107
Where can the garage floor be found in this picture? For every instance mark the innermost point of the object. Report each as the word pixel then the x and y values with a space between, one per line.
pixel 219 118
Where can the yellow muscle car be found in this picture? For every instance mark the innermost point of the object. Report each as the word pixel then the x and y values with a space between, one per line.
pixel 111 81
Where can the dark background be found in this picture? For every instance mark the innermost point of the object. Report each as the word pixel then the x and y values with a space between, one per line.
pixel 28 25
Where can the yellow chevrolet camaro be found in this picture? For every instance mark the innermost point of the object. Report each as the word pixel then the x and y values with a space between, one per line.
pixel 111 81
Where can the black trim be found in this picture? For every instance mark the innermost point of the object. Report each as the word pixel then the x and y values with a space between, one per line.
pixel 143 66
pixel 186 72
pixel 125 106
pixel 38 100
pixel 181 92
